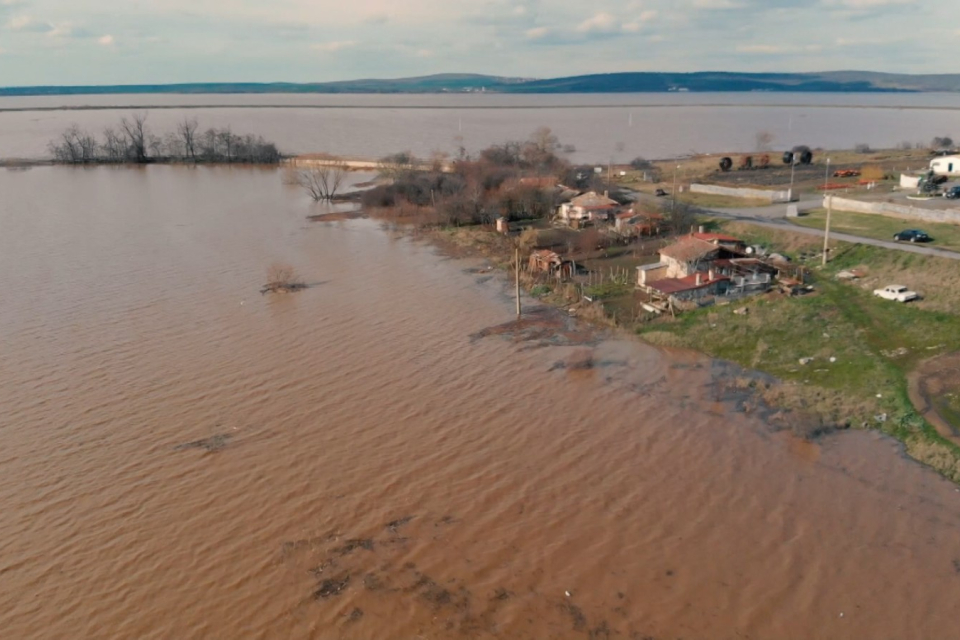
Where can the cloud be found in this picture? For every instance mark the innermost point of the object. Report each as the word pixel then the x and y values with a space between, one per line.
pixel 106 40
pixel 761 48
pixel 537 33
pixel 602 22
pixel 331 47
pixel 644 18
pixel 27 24
pixel 872 4
pixel 717 4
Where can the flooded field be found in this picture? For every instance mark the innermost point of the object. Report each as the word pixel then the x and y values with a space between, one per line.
pixel 386 455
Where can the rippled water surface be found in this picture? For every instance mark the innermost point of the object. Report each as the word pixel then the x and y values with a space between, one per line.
pixel 181 457
pixel 600 127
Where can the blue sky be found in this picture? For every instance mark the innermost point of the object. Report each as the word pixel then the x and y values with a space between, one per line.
pixel 158 41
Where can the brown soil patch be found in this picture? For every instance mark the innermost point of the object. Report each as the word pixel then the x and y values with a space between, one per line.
pixel 338 216
pixel 930 388
pixel 544 327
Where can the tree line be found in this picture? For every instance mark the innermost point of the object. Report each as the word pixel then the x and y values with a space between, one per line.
pixel 516 180
pixel 131 141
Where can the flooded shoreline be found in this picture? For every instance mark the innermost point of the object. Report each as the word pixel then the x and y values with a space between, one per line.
pixel 383 456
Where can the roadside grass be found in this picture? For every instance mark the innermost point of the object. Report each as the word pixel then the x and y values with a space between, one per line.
pixel 875 343
pixel 945 236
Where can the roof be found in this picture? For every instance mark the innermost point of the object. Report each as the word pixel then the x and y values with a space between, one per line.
pixel 652 267
pixel 592 200
pixel 670 286
pixel 688 249
pixel 715 237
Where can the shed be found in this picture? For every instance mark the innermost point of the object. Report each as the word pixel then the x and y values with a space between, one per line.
pixel 946 166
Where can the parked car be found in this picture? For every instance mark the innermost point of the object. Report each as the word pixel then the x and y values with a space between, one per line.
pixel 912 235
pixel 661 193
pixel 953 192
pixel 896 292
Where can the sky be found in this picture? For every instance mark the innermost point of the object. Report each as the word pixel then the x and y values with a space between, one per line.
pixel 70 42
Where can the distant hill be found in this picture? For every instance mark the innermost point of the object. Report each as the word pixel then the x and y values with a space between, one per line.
pixel 704 81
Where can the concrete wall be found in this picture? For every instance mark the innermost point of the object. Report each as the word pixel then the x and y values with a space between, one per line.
pixel 904 212
pixel 735 192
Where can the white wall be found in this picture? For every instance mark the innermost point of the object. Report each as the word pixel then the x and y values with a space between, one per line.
pixel 736 192
pixel 904 212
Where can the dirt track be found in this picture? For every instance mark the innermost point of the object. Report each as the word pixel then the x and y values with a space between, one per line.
pixel 930 387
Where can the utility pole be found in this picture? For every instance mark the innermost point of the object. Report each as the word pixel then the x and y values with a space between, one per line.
pixel 826 230
pixel 793 166
pixel 674 210
pixel 517 272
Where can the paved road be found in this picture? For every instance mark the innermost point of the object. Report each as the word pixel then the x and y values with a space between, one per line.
pixel 774 217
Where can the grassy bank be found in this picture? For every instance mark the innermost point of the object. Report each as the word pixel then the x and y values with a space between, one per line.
pixel 945 236
pixel 862 347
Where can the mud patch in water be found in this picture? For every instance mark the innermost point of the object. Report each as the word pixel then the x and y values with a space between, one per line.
pixel 544 327
pixel 212 444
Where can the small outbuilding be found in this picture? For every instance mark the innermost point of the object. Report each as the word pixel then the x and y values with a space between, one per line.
pixel 946 166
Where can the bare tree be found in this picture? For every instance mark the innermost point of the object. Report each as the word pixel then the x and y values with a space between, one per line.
pixel 322 182
pixel 187 133
pixel 941 142
pixel 135 131
pixel 679 217
pixel 74 147
pixel 281 278
pixel 113 148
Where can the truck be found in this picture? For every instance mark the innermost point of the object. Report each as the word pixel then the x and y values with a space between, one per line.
pixel 896 292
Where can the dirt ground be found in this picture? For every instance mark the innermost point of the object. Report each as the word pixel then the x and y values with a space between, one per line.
pixel 935 391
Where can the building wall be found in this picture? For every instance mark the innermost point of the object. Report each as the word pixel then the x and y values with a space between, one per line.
pixel 946 166
pixel 904 212
pixel 651 275
pixel 714 289
pixel 735 192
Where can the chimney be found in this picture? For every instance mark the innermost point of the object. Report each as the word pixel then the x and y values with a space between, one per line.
pixel 701 229
pixel 698 278
pixel 606 193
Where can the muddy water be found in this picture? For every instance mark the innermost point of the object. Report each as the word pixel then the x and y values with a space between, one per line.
pixel 181 457
pixel 600 127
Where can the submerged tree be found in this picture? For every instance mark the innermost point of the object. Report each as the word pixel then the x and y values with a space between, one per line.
pixel 322 182
pixel 282 278
pixel 133 142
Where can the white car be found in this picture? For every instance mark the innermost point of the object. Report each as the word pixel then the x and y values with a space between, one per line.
pixel 896 292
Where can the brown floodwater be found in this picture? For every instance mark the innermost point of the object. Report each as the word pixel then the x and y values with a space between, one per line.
pixel 181 457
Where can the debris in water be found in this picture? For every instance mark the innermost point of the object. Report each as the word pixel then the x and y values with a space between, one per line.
pixel 212 444
pixel 332 587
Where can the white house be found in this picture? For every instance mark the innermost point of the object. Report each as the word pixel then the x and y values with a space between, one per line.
pixel 589 206
pixel 946 166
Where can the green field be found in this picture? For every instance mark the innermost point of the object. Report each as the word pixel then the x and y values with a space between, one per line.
pixel 862 347
pixel 945 236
